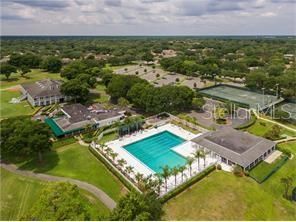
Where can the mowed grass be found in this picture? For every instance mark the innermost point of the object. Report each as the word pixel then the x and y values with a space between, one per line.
pixel 19 193
pixel 222 196
pixel 100 95
pixel 263 169
pixel 76 161
pixel 34 75
pixel 9 109
pixel 261 127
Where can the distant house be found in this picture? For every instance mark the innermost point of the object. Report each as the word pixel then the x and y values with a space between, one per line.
pixel 77 117
pixel 44 92
pixel 236 147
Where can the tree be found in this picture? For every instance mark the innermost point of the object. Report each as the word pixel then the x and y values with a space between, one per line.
pixel 20 136
pixel 75 89
pixel 52 64
pixel 190 161
pixel 273 133
pixel 60 202
pixel 287 182
pixel 73 69
pixel 136 206
pixel 24 70
pixel 166 173
pixel 198 154
pixel 198 102
pixel 175 172
pixel 181 170
pixel 6 69
pixel 122 102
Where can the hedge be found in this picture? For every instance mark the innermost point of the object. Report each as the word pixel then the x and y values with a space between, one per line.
pixel 112 170
pixel 187 184
pixel 251 122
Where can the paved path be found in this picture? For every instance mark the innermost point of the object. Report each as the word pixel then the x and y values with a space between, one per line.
pixel 289 138
pixel 271 121
pixel 101 195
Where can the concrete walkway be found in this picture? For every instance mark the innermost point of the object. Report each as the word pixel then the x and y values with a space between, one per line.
pixel 274 122
pixel 101 195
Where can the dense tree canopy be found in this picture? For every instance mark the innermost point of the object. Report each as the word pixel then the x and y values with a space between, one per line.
pixel 52 64
pixel 20 136
pixel 60 202
pixel 76 89
pixel 135 206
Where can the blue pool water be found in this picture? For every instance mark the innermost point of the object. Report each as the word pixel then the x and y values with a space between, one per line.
pixel 155 151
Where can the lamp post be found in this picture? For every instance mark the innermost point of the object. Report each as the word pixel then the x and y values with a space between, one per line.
pixel 277 90
pixel 263 96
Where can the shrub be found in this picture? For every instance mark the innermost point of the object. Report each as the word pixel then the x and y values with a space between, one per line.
pixel 218 167
pixel 238 171
pixel 285 151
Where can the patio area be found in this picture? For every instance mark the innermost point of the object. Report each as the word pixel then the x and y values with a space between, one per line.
pixel 185 150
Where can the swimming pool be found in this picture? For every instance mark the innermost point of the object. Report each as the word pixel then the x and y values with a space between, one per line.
pixel 155 151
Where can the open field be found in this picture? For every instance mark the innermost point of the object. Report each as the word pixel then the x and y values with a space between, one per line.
pixel 34 75
pixel 8 109
pixel 223 196
pixel 261 127
pixel 75 161
pixel 18 195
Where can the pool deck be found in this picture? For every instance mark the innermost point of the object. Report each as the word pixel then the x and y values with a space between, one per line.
pixel 117 145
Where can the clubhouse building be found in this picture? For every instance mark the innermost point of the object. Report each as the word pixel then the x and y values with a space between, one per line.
pixel 44 92
pixel 75 118
pixel 232 147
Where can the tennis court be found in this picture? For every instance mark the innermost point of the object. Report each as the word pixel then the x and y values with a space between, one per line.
pixel 290 108
pixel 240 95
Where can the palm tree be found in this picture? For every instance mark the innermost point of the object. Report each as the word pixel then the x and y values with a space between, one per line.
pixel 159 182
pixel 205 152
pixel 175 172
pixel 139 178
pixel 129 170
pixel 198 154
pixel 108 151
pixel 181 170
pixel 121 163
pixel 113 155
pixel 165 174
pixel 190 161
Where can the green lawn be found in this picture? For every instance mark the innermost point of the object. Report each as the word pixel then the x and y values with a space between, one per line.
pixel 18 195
pixel 34 75
pixel 222 196
pixel 261 127
pixel 76 161
pixel 263 169
pixel 100 96
pixel 8 109
pixel 109 137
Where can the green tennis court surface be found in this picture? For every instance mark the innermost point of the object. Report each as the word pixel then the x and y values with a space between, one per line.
pixel 252 99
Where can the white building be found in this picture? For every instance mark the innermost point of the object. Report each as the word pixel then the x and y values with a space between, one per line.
pixel 44 92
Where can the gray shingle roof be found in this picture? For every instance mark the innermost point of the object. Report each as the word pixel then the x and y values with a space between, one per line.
pixel 79 116
pixel 237 146
pixel 46 87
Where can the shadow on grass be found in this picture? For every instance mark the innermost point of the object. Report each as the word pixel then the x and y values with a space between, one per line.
pixel 50 160
pixel 11 79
